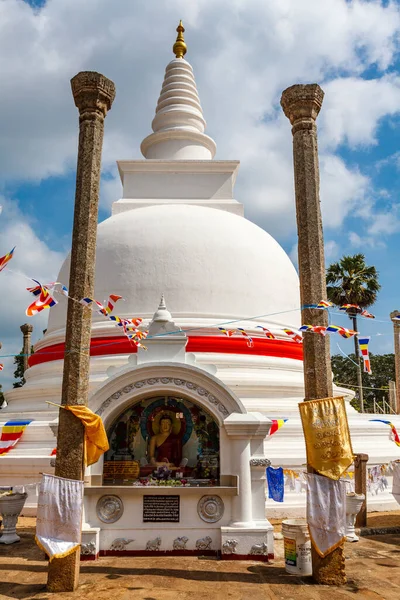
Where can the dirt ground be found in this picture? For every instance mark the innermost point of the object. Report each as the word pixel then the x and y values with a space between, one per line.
pixel 372 567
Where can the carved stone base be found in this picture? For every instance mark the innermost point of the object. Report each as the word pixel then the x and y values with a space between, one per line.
pixel 239 543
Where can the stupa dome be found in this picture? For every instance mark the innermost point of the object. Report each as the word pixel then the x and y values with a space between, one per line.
pixel 209 263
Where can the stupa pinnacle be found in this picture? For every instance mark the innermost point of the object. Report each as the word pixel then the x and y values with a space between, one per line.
pixel 180 48
pixel 179 124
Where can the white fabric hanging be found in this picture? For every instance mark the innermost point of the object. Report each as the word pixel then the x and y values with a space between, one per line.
pixel 396 481
pixel 326 512
pixel 59 515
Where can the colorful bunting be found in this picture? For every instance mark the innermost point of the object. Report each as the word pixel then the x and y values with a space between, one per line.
pixel 366 314
pixel 395 435
pixel 314 329
pixel 228 332
pixel 250 342
pixel 267 332
pixel 295 336
pixel 347 333
pixel 6 259
pixel 363 344
pixel 324 304
pixel 11 433
pixel 276 425
pixel 347 307
pixel 105 311
pixel 43 300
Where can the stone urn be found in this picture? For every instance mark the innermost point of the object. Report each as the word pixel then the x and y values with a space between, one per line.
pixel 10 509
pixel 354 503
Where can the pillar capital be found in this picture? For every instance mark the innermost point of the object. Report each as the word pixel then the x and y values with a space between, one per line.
pixel 93 94
pixel 394 314
pixel 26 328
pixel 301 104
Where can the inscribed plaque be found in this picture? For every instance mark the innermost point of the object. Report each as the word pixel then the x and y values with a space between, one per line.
pixel 157 509
pixel 327 436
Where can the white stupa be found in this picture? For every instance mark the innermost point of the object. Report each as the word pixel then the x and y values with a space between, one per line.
pixel 177 231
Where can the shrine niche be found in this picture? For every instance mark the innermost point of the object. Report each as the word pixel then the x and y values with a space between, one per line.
pixel 164 440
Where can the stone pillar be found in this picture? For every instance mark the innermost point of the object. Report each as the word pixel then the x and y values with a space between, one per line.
pixel 301 105
pixel 360 486
pixel 26 345
pixel 242 503
pixel 93 94
pixel 396 332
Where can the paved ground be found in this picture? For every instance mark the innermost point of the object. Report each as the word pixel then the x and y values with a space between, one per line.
pixel 372 565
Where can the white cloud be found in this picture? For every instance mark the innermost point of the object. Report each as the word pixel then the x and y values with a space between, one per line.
pixel 353 108
pixel 32 258
pixel 241 67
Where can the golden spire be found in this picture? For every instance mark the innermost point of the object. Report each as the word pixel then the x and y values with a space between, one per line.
pixel 180 48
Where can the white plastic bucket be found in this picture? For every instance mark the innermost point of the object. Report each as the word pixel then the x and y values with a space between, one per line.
pixel 297 547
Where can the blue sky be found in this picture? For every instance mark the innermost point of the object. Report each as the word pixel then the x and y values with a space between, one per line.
pixel 241 64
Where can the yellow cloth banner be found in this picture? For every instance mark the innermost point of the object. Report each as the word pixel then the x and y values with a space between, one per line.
pixel 96 441
pixel 327 436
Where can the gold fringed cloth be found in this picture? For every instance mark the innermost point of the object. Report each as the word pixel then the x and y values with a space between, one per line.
pixel 327 436
pixel 326 513
pixel 59 516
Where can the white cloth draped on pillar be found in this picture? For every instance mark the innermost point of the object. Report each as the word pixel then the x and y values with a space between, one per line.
pixel 59 515
pixel 326 512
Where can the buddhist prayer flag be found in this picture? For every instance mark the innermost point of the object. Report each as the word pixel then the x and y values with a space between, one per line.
pixel 295 336
pixel 347 307
pixel 363 344
pixel 327 436
pixel 395 435
pixel 276 424
pixel 11 433
pixel 347 333
pixel 112 300
pixel 250 342
pixel 96 441
pixel 267 332
pixel 367 315
pixel 6 259
pixel 103 310
pixel 228 332
pixel 323 304
pixel 313 329
pixel 43 300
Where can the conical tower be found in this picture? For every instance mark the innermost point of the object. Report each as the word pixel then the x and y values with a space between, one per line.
pixel 179 124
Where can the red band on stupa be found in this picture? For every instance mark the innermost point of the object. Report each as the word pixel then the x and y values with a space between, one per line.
pixel 106 346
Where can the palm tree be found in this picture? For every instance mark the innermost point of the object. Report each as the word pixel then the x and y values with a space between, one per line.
pixel 351 281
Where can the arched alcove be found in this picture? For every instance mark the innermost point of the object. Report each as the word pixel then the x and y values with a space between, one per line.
pixel 163 437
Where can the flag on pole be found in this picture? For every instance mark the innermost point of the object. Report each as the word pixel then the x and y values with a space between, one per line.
pixel 5 259
pixel 11 433
pixel 396 437
pixel 276 424
pixel 363 344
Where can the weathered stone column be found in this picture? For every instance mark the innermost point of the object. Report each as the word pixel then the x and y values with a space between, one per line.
pixel 26 345
pixel 396 332
pixel 301 104
pixel 93 94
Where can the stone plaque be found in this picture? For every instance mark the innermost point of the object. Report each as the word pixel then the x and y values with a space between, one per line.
pixel 157 509
pixel 121 469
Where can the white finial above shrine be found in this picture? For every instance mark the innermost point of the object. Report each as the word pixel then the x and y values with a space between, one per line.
pixel 179 123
